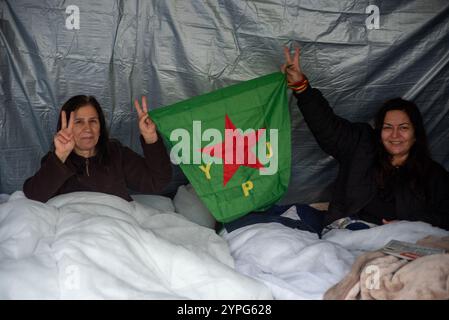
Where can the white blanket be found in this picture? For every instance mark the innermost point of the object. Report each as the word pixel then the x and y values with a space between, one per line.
pixel 296 264
pixel 96 246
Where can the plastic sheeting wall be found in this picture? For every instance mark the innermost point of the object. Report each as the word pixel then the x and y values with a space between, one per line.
pixel 172 50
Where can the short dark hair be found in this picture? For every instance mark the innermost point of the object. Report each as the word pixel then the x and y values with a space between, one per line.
pixel 76 102
pixel 419 156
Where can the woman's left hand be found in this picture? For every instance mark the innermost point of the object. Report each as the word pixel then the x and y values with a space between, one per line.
pixel 292 66
pixel 146 125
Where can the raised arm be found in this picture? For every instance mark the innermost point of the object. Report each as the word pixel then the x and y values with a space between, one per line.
pixel 153 172
pixel 146 126
pixel 335 135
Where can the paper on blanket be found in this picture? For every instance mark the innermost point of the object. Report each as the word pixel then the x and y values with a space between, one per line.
pixel 409 251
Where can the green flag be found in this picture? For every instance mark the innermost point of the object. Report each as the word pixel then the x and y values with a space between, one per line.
pixel 233 144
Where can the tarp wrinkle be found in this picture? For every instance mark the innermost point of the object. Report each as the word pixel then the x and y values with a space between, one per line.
pixel 175 50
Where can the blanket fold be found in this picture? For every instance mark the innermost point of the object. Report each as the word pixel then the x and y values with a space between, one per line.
pixel 88 245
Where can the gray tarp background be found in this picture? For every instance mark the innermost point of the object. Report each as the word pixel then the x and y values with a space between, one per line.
pixel 173 50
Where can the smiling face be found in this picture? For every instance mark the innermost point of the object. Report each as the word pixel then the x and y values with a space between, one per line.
pixel 398 134
pixel 86 130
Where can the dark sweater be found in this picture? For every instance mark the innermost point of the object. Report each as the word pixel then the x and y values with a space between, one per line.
pixel 355 191
pixel 126 169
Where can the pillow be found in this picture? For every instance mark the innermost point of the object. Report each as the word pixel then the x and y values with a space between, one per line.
pixel 4 197
pixel 188 204
pixel 160 203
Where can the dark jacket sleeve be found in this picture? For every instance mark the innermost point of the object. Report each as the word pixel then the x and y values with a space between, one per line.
pixel 151 173
pixel 47 181
pixel 437 212
pixel 335 135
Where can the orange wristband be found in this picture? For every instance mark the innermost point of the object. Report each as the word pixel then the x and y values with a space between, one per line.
pixel 299 86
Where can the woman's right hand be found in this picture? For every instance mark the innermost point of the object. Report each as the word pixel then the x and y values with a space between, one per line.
pixel 64 140
pixel 384 221
pixel 292 67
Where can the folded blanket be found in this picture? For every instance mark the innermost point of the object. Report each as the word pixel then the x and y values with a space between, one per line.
pixel 375 275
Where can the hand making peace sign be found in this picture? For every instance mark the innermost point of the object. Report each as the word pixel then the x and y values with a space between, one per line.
pixel 64 140
pixel 146 125
pixel 292 67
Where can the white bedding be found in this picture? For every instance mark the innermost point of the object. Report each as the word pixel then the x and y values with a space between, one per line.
pixel 96 246
pixel 297 265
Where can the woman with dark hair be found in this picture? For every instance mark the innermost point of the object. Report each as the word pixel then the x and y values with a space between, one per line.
pixel 85 159
pixel 385 173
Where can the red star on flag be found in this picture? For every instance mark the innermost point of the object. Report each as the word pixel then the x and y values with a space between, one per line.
pixel 231 160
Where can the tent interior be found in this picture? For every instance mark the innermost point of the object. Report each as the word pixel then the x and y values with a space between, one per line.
pixel 357 53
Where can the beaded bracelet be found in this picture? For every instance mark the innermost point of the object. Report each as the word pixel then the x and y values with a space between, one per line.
pixel 299 86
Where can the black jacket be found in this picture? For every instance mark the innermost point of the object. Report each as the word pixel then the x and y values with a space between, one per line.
pixel 126 169
pixel 353 146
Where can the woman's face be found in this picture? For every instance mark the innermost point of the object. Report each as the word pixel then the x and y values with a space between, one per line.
pixel 86 130
pixel 398 133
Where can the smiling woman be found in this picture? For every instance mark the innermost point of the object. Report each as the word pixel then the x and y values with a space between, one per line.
pixel 386 173
pixel 397 136
pixel 85 159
